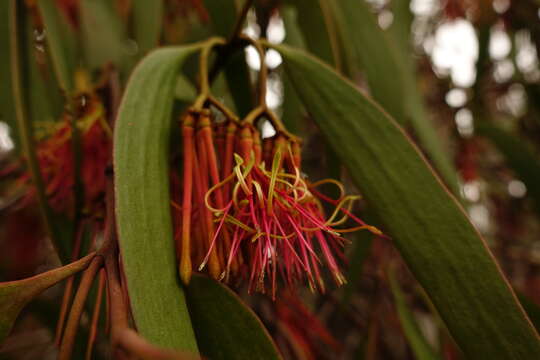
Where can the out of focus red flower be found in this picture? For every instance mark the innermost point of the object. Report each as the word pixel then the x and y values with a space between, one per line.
pixel 55 153
pixel 304 333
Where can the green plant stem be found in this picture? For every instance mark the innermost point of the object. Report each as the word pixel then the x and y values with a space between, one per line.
pixel 263 71
pixel 25 127
pixel 204 84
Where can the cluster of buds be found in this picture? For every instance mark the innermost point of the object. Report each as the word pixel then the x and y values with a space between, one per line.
pixel 247 211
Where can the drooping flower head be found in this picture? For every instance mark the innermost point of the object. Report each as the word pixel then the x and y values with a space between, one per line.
pixel 248 213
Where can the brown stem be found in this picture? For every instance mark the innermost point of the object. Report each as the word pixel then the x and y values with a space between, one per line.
pixel 116 298
pixel 68 291
pixel 134 344
pixel 263 71
pixel 240 21
pixel 68 340
pixel 118 308
pixel 204 83
pixel 95 315
pixel 107 313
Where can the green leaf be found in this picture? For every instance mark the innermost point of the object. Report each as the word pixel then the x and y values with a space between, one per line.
pixel 400 32
pixel 104 35
pixel 361 250
pixel 61 42
pixel 14 295
pixel 427 135
pixel 346 34
pixel 317 29
pixel 390 72
pixel 237 75
pixel 419 345
pixel 45 101
pixel 225 327
pixel 147 23
pixel 141 162
pixel 310 25
pixel 428 226
pixel 222 16
pixel 184 89
pixel 370 48
pixel 27 88
pixel 518 155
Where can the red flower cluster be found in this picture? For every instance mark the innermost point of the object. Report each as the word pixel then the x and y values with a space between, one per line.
pixel 55 154
pixel 248 212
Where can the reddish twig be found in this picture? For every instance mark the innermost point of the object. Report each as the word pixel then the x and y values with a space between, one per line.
pixel 66 299
pixel 95 315
pixel 133 343
pixel 68 340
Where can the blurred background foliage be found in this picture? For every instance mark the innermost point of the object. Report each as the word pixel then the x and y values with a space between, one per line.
pixel 461 76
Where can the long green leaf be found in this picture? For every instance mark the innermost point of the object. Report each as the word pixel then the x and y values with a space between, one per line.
pixel 141 148
pixel 310 27
pixel 401 35
pixel 362 244
pixel 400 30
pixel 222 16
pixel 518 155
pixel 370 47
pixel 147 23
pixel 419 345
pixel 45 102
pixel 318 34
pixel 390 72
pixel 24 86
pixel 14 295
pixel 237 75
pixel 224 326
pixel 430 229
pixel 61 42
pixel 104 35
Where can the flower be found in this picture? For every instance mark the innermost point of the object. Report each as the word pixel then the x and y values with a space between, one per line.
pixel 249 214
pixel 55 155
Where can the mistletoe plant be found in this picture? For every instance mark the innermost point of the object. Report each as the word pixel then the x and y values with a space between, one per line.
pixel 170 213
